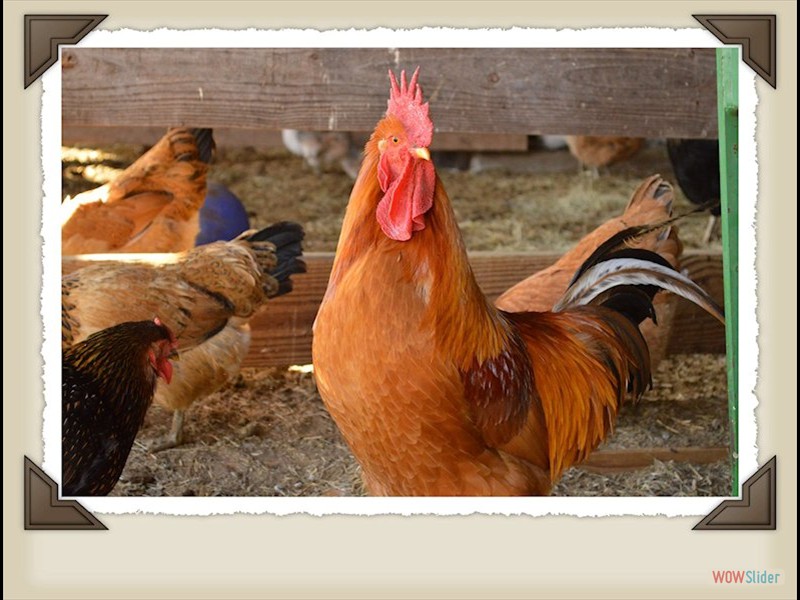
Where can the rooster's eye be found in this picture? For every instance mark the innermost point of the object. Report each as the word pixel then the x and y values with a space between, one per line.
pixel 395 140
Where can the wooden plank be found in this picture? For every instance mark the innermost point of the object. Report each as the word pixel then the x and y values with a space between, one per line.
pixel 629 459
pixel 486 142
pixel 655 92
pixel 281 330
pixel 652 159
pixel 693 331
pixel 93 137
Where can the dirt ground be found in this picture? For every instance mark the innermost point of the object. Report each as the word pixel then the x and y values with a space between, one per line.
pixel 267 433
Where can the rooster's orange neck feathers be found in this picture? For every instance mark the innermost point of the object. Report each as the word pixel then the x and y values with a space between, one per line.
pixel 433 254
pixel 464 321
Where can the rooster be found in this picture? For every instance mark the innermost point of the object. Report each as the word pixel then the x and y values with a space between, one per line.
pixel 108 382
pixel 152 206
pixel 205 296
pixel 436 391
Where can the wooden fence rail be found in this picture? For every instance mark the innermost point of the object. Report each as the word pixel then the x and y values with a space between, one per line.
pixel 263 139
pixel 657 92
pixel 281 330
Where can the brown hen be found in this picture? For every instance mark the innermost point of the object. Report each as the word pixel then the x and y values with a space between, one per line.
pixel 601 151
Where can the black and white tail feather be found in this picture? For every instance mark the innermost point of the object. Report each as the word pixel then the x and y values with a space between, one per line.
pixel 627 279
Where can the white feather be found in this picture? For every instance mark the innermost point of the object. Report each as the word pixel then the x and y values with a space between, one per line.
pixel 632 271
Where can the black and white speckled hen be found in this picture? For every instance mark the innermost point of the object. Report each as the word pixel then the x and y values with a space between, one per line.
pixel 108 383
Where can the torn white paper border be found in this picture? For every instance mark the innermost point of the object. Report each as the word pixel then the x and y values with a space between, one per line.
pixel 413 38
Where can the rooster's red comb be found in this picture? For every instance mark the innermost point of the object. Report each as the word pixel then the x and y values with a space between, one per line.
pixel 405 103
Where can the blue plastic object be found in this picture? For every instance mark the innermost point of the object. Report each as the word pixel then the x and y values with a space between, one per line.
pixel 222 216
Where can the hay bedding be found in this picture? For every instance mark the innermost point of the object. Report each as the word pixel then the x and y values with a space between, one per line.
pixel 267 433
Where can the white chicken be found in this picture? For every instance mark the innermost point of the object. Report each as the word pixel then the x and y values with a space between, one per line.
pixel 323 149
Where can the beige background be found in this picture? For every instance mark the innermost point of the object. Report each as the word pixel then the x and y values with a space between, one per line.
pixel 478 556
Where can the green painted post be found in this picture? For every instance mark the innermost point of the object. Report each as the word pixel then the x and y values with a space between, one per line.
pixel 728 123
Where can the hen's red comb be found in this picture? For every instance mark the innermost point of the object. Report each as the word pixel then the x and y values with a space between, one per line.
pixel 405 103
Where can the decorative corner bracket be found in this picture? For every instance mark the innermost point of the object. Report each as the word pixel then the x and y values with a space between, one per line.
pixel 756 34
pixel 45 33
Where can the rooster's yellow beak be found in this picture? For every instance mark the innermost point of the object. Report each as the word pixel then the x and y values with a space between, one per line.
pixel 422 153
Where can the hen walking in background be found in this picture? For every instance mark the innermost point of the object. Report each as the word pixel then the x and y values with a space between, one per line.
pixel 205 296
pixel 601 151
pixel 152 206
pixel 696 167
pixel 322 149
pixel 108 382
pixel 436 391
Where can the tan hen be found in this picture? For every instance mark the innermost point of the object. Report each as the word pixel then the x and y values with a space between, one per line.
pixel 205 296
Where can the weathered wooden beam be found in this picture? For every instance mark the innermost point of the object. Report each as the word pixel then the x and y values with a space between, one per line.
pixel 629 459
pixel 281 330
pixel 649 92
pixel 94 137
pixel 693 331
pixel 263 139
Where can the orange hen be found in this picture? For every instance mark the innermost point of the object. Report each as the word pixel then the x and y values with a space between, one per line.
pixel 436 391
pixel 152 206
pixel 597 151
pixel 650 203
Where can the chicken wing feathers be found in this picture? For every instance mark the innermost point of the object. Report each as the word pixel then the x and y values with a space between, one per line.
pixel 195 292
pixel 153 206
